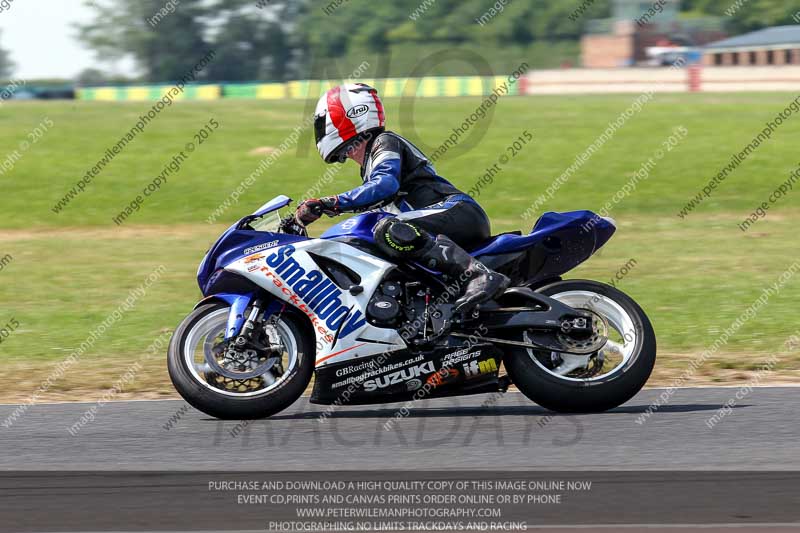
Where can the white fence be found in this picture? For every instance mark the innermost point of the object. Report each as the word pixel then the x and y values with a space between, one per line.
pixel 639 80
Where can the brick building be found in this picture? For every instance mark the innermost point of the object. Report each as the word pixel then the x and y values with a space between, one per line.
pixel 636 25
pixel 772 46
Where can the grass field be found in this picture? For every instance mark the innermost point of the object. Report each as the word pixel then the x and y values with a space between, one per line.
pixel 62 274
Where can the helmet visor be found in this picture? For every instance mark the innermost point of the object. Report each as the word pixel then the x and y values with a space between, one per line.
pixel 319 127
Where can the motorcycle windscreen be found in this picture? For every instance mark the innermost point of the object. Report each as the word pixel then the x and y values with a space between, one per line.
pixel 279 202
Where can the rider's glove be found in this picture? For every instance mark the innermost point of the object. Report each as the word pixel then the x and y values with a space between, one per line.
pixel 310 210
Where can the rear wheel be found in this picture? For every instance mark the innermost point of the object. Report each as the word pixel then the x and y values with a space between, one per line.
pixel 594 382
pixel 252 382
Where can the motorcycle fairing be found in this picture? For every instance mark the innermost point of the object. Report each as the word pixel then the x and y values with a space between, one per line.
pixel 403 375
pixel 292 275
pixel 357 227
pixel 237 244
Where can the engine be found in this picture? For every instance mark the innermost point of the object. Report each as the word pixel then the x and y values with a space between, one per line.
pixel 384 308
pixel 407 306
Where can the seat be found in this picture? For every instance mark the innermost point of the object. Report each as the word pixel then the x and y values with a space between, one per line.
pixel 488 243
pixel 567 226
pixel 503 243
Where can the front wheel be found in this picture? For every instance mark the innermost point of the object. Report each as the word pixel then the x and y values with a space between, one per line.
pixel 593 382
pixel 241 383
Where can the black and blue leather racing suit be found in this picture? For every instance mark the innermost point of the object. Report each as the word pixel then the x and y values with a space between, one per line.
pixel 399 178
pixel 435 221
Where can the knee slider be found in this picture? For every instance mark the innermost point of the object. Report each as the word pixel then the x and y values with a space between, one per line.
pixel 404 234
pixel 399 237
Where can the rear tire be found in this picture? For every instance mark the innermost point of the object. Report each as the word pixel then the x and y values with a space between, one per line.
pixel 222 404
pixel 528 370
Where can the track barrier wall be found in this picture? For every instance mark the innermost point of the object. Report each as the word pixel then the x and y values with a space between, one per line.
pixel 540 82
pixel 302 89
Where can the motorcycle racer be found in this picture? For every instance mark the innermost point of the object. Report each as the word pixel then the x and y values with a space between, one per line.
pixel 435 220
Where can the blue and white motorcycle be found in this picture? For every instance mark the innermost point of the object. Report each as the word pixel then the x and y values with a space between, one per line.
pixel 281 307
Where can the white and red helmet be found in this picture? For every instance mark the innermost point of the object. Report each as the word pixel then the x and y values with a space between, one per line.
pixel 344 114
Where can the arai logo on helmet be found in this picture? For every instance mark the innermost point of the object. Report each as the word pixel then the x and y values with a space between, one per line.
pixel 357 111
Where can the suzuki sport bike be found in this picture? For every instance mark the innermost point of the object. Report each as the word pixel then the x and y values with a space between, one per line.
pixel 281 308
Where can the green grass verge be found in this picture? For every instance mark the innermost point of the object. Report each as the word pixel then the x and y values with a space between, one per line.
pixel 693 276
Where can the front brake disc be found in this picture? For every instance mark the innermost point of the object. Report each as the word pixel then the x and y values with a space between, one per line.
pixel 233 357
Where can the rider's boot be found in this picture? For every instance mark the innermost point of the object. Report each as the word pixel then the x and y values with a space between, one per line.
pixel 482 283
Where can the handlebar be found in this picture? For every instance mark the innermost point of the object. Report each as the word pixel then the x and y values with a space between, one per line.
pixel 291 226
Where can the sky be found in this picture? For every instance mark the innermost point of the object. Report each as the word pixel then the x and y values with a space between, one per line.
pixel 42 41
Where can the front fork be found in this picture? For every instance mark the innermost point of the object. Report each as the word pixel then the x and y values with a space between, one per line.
pixel 236 318
pixel 241 330
pixel 240 327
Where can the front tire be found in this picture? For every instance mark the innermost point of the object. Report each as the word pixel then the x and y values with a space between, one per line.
pixel 562 383
pixel 225 398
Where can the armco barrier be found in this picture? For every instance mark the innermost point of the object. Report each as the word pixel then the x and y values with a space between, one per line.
pixel 303 89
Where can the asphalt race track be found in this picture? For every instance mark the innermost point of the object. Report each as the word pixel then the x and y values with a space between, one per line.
pixel 760 432
pixel 149 465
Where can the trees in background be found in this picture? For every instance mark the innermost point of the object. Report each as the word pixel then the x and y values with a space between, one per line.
pixel 765 13
pixel 285 39
pixel 166 38
pixel 164 51
pixel 750 15
pixel 402 30
pixel 251 45
pixel 6 65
